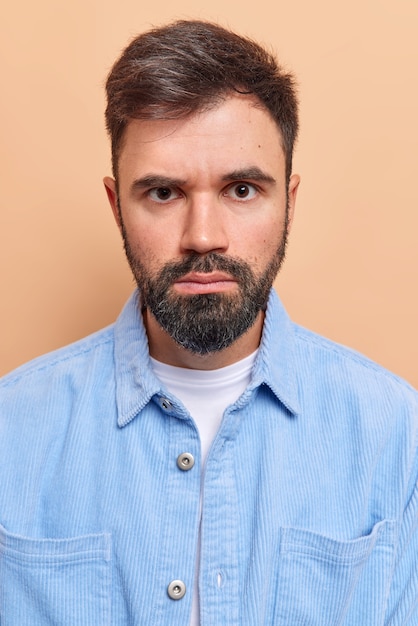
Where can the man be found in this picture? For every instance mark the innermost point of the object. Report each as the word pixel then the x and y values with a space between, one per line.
pixel 204 460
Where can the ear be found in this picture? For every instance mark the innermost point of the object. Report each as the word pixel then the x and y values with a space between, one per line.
pixel 110 186
pixel 292 193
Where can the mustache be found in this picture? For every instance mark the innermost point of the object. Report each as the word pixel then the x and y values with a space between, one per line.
pixel 211 262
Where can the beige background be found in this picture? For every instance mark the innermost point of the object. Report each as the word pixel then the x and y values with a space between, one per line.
pixel 351 272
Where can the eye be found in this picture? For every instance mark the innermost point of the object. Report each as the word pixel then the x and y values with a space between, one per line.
pixel 163 194
pixel 241 191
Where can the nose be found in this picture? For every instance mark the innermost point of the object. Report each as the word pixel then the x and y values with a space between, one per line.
pixel 204 227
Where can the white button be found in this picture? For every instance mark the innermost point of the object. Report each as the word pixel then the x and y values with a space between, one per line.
pixel 176 589
pixel 185 461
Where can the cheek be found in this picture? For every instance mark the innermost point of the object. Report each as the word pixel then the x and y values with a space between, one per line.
pixel 149 255
pixel 151 239
pixel 142 240
pixel 265 241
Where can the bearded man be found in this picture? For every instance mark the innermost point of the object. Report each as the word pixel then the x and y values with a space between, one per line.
pixel 205 461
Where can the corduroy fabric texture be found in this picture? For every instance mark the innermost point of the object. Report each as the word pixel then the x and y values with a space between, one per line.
pixel 309 494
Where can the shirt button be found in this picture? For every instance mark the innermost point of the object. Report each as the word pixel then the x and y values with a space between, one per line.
pixel 165 404
pixel 185 461
pixel 176 589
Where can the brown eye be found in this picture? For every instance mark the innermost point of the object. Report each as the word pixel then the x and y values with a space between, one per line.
pixel 241 191
pixel 163 194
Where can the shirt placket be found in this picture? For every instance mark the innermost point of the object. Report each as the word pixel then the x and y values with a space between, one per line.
pixel 180 527
pixel 219 570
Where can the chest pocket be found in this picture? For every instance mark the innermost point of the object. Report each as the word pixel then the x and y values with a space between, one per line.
pixel 52 582
pixel 323 581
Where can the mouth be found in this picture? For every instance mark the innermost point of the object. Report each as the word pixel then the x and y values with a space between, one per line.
pixel 196 283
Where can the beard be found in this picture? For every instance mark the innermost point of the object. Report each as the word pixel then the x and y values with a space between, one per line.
pixel 205 323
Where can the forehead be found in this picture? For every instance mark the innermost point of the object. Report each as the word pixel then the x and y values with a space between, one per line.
pixel 236 133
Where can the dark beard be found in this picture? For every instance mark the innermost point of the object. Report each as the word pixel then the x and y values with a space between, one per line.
pixel 211 322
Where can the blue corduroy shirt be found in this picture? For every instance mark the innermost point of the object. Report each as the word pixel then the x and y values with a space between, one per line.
pixel 309 495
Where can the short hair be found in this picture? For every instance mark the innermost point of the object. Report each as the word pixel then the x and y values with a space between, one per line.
pixel 191 66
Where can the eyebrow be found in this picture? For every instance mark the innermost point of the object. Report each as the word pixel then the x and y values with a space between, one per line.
pixel 252 173
pixel 154 180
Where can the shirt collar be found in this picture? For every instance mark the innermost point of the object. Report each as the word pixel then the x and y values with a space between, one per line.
pixel 136 382
pixel 276 360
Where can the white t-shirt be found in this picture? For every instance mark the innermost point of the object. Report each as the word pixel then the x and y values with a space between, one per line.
pixel 205 394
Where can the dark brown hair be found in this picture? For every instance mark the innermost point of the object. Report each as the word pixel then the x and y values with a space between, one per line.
pixel 191 66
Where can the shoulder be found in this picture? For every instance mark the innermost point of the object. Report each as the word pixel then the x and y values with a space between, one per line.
pixel 70 360
pixel 335 366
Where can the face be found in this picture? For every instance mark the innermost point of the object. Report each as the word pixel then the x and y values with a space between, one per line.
pixel 204 210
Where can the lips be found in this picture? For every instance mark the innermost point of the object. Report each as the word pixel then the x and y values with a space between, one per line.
pixel 200 283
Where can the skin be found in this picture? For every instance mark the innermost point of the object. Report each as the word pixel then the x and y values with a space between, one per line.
pixel 213 182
